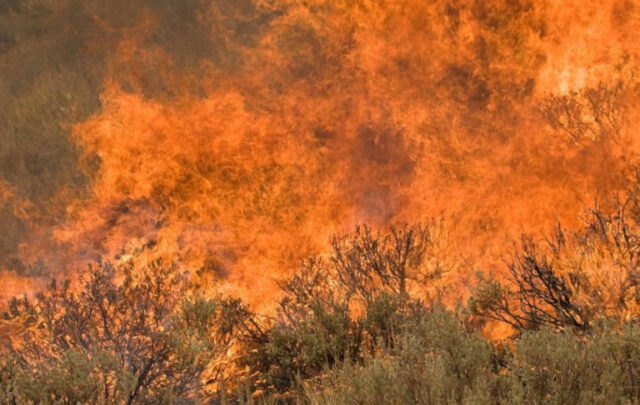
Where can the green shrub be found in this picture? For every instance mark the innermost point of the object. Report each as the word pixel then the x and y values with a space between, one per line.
pixel 438 363
pixel 341 308
pixel 120 337
pixel 348 331
pixel 562 368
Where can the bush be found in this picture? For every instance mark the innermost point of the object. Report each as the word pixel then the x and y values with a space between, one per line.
pixel 120 337
pixel 349 330
pixel 342 308
pixel 438 363
pixel 562 368
pixel 574 279
pixel 344 334
pixel 444 364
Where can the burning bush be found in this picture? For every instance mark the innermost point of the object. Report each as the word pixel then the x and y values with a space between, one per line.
pixel 574 278
pixel 352 327
pixel 343 307
pixel 119 336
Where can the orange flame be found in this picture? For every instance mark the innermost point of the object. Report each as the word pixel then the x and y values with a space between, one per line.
pixel 338 113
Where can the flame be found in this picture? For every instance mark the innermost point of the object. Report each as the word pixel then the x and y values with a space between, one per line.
pixel 325 114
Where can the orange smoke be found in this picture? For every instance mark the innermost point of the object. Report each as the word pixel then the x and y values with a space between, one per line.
pixel 346 112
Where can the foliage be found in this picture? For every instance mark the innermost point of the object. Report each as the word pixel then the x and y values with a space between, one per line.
pixel 438 363
pixel 562 368
pixel 458 367
pixel 119 337
pixel 572 279
pixel 343 307
pixel 350 329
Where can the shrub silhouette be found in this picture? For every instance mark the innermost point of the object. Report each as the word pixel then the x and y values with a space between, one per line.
pixel 571 279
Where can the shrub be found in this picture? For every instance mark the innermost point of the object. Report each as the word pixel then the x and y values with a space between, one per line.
pixel 438 363
pixel 342 308
pixel 119 337
pixel 562 368
pixel 571 279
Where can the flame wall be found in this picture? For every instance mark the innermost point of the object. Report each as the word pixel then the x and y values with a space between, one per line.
pixel 236 136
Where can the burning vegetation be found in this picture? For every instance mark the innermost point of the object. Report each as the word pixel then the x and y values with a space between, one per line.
pixel 207 201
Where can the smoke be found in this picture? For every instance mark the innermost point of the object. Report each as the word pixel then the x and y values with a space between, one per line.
pixel 236 137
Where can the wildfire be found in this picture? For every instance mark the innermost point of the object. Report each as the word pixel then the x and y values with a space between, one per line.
pixel 309 117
